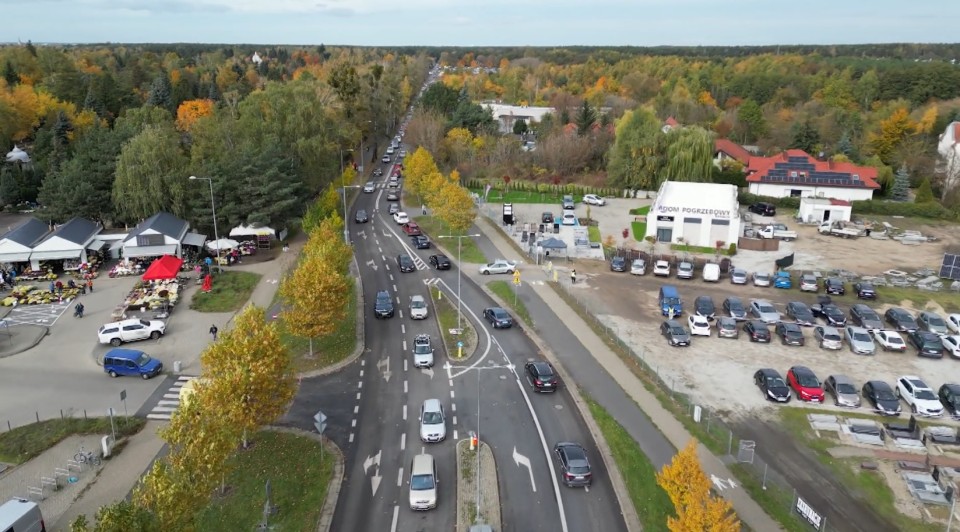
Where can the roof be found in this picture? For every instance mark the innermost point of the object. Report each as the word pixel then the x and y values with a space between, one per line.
pixel 671 121
pixel 799 168
pixel 163 223
pixel 825 201
pixel 679 197
pixel 732 149
pixel 28 233
pixel 77 230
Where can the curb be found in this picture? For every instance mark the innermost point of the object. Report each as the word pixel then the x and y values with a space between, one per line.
pixel 443 339
pixel 461 496
pixel 34 343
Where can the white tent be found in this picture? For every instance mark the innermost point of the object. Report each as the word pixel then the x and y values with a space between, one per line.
pixel 252 230
pixel 223 243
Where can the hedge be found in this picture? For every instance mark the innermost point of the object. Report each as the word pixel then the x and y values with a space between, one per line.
pixel 520 185
pixel 932 210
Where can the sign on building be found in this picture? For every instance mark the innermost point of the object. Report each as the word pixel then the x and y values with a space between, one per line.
pixel 809 514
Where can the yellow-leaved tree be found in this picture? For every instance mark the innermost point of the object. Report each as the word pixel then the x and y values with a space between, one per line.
pixel 430 186
pixel 455 207
pixel 416 167
pixel 892 132
pixel 192 110
pixel 688 487
pixel 348 176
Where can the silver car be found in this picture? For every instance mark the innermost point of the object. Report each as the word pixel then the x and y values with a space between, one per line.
pixel 761 279
pixel 843 390
pixel 764 311
pixel 860 341
pixel 931 321
pixel 738 276
pixel 727 327
pixel 433 425
pixel 828 337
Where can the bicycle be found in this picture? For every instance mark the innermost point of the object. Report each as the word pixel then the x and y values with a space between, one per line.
pixel 87 457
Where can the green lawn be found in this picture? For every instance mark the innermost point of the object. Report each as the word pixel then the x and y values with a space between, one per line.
pixel 650 501
pixel 640 211
pixel 639 230
pixel 329 349
pixel 699 249
pixel 593 232
pixel 298 484
pixel 231 291
pixel 23 443
pixel 505 290
pixel 469 252
pixel 517 196
pixel 446 310
pixel 895 295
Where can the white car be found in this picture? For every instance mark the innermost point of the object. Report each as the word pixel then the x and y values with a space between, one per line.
pixel 890 340
pixel 699 325
pixel 433 425
pixel 118 332
pixel 951 344
pixel 661 268
pixel 390 150
pixel 385 159
pixel 761 279
pixel 498 266
pixel 418 308
pixel 953 323
pixel 401 218
pixel 422 351
pixel 921 398
pixel 685 270
pixel 569 219
pixel 638 267
pixel 593 199
pixel 369 187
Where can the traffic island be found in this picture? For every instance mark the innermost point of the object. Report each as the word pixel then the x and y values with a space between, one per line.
pixel 445 310
pixel 472 486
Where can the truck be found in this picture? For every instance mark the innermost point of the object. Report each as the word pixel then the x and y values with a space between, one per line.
pixel 778 231
pixel 840 229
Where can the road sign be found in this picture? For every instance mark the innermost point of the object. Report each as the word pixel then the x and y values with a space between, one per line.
pixel 320 420
pixel 459 344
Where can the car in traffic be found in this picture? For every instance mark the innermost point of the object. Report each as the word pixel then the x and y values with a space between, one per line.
pixel 809 283
pixel 369 187
pixel 420 242
pixel 389 150
pixel 790 333
pixel 881 396
pixel 703 306
pixel 593 199
pixel 423 482
pixel 919 397
pixel 568 218
pixel 738 276
pixel 931 321
pixel 864 290
pixel 757 331
pixel 864 316
pixel 433 423
pixel 422 351
pixel 541 376
pixel 383 305
pixel 733 307
pixel 638 267
pixel 378 172
pixel 829 312
pixel 890 340
pixel 130 330
pixel 675 333
pixel 393 195
pixel 951 345
pixel 411 229
pixel 618 264
pixel 401 218
pixel 498 318
pixel 661 268
pixel 699 325
pixel 574 466
pixel 685 270
pixel 393 209
pixel 843 390
pixel 949 395
pixel 859 340
pixel 772 385
pixel 361 217
pixel 901 320
pixel 828 337
pixel 405 263
pixel 800 313
pixel 439 261
pixel 727 327
pixel 761 279
pixel 928 344
pixel 418 308
pixel 567 203
pixel 498 266
pixel 805 384
pixel 834 286
pixel 764 311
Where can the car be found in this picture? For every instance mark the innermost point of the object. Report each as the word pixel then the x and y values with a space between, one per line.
pixel 704 306
pixel 834 286
pixel 699 325
pixel 393 195
pixel 772 385
pixel 567 203
pixel 131 330
pixel 805 384
pixel 685 270
pixel 734 308
pixel 439 261
pixel 638 267
pixel 757 331
pixel 864 290
pixel 418 308
pixel 498 318
pixel 843 390
pixel 951 344
pixel 420 242
pixel 389 150
pixel 422 349
pixel 661 268
pixel 574 466
pixel 383 305
pixel 761 279
pixel 953 323
pixel 928 344
pixel 727 328
pixel 829 313
pixel 541 376
pixel 782 280
pixel 920 397
pixel 800 313
pixel 949 395
pixel 901 320
pixel 764 311
pixel 394 208
pixel 423 482
pixel 385 159
pixel 433 424
pixel 880 394
pixel 763 209
pixel 864 316
pixel 369 187
pixel 828 337
pixel 498 266
pixel 569 218
pixel 809 283
pixel 675 333
pixel 403 154
pixel 738 276
pixel 405 263
pixel 401 218
pixel 859 340
pixel 361 217
pixel 546 218
pixel 131 362
pixel 411 229
pixel 378 172
pixel 593 199
pixel 394 182
pixel 931 321
pixel 618 264
pixel 790 334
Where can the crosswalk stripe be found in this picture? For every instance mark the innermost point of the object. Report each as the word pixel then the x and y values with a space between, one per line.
pixel 170 400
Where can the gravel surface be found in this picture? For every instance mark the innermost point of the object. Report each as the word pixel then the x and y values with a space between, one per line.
pixel 467 487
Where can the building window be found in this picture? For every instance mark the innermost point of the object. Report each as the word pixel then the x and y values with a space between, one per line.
pixel 717 221
pixel 664 234
pixel 795 193
pixel 692 220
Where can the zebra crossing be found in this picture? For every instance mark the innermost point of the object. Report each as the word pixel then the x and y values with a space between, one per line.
pixel 432 281
pixel 170 400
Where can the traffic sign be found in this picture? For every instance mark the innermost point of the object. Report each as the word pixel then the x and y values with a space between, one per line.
pixel 320 422
pixel 459 344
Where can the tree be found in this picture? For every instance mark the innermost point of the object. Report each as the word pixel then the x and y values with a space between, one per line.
pixel 10 74
pixel 440 98
pixel 121 516
pixel 455 207
pixel 689 155
pixel 751 124
pixel 192 110
pixel 805 137
pixel 151 175
pixel 892 132
pixel 346 84
pixel 845 146
pixel 924 192
pixel 634 156
pixel 900 191
pixel 326 205
pixel 161 93
pixel 586 118
pixel 689 489
pixel 520 127
pixel 416 167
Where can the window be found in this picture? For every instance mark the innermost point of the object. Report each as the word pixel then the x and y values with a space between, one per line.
pixel 717 221
pixel 692 220
pixel 795 193
pixel 664 234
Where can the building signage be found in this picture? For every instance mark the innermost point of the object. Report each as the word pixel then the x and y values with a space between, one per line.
pixel 716 213
pixel 809 513
pixel 664 218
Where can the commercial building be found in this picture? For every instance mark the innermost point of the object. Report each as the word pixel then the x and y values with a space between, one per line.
pixel 796 174
pixel 507 115
pixel 815 210
pixel 701 214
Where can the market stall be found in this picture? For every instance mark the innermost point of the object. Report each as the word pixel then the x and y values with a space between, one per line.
pixel 70 243
pixel 160 234
pixel 17 244
pixel 262 235
pixel 166 267
pixel 156 298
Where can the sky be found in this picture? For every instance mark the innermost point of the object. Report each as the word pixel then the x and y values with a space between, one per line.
pixel 487 23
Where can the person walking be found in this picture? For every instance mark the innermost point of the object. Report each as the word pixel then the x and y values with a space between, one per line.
pixel 213 332
pixel 573 276
pixel 90 285
pixel 59 288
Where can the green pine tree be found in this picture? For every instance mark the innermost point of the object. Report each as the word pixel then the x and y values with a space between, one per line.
pixel 161 93
pixel 924 192
pixel 10 74
pixel 586 117
pixel 900 191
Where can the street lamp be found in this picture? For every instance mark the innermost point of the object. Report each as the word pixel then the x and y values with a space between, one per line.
pixel 459 269
pixel 346 230
pixel 213 207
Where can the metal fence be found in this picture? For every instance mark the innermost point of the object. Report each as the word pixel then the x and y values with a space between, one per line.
pixel 64 413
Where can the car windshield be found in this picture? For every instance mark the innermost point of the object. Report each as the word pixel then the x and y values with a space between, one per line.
pixel 861 337
pixel 728 325
pixel 143 359
pixel 422 349
pixel 763 277
pixel 578 467
pixel 421 482
pixel 936 321
pixel 418 304
pixel 926 395
pixel 735 306
pixel 894 340
pixel 677 331
pixel 793 332
pixel 766 309
pixel 885 395
pixel 843 387
pixel 671 300
pixel 775 382
pixel 432 418
pixel 808 381
pixel 685 266
pixel 831 336
pixel 499 314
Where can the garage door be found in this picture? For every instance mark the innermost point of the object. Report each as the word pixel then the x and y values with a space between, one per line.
pixel 719 230
pixel 691 231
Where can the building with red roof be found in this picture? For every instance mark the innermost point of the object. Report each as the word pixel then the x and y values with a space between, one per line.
pixel 728 150
pixel 795 173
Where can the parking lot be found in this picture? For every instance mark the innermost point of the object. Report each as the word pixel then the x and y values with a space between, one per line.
pixel 46 315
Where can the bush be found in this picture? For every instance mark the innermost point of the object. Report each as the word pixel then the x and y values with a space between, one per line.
pixel 746 198
pixel 931 210
pixel 732 250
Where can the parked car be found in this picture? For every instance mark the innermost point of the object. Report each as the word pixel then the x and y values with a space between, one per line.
pixel 685 270
pixel 772 385
pixel 699 325
pixel 361 217
pixel 498 266
pixel 931 321
pixel 789 333
pixel 439 261
pixel 782 280
pixel 704 306
pixel 675 334
pixel 131 330
pixel 829 313
pixel 498 318
pixel 761 279
pixel 890 340
pixel 711 272
pixel 418 308
pixel 834 286
pixel 865 317
pixel 433 424
pixel 734 308
pixel 901 320
pixel 405 263
pixel 569 218
pixel 881 396
pixel 828 337
pixel 843 390
pixel 809 283
pixel 727 328
pixel 541 376
pixel 618 264
pixel 383 305
pixel 950 397
pixel 422 350
pixel 738 276
pixel 953 323
pixel 920 397
pixel 131 362
pixel 951 344
pixel 546 218
pixel 928 344
pixel 638 267
pixel 757 331
pixel 805 384
pixel 859 340
pixel 567 203
pixel 400 218
pixel 593 199
pixel 661 268
pixel 800 313
pixel 764 311
pixel 864 290
pixel 420 242
pixel 763 209
pixel 574 467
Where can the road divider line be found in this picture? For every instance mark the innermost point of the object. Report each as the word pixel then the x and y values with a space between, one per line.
pixel 403 329
pixel 404 386
pixel 452 396
pixel 360 384
pixel 399 483
pixel 395 289
pixel 391 277
pixel 404 364
pixel 353 423
pixel 454 420
pixel 361 373
pixel 401 314
pixel 455 435
pixel 358 396
pixel 403 441
pixel 351 438
pixel 454 408
pixel 404 412
pixel 356 409
pixel 404 345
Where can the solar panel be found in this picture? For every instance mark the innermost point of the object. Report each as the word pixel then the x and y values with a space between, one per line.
pixel 950 268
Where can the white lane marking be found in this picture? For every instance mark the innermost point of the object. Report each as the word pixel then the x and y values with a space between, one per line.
pixel 401 314
pixel 396 515
pixel 455 435
pixel 358 396
pixel 356 409
pixel 454 408
pixel 404 345
pixel 360 384
pixel 395 289
pixel 351 437
pixel 361 373
pixel 387 266
pixel 404 364
pixel 403 441
pixel 454 420
pixel 451 383
pixel 391 277
pixel 384 257
pixel 353 423
pixel 399 483
pixel 452 395
pixel 404 386
pixel 364 362
pixel 521 460
pixel 404 412
pixel 403 329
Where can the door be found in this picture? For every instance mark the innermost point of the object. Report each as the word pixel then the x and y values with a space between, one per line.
pixel 135 331
pixel 826 215
pixel 664 234
pixel 130 368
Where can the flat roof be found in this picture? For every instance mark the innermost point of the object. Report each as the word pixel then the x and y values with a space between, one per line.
pixel 697 195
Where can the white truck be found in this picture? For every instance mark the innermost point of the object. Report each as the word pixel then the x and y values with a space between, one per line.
pixel 840 229
pixel 778 231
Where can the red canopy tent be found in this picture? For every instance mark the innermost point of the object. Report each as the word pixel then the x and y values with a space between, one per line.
pixel 166 267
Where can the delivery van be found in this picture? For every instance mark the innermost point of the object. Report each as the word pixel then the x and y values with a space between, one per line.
pixel 711 272
pixel 21 515
pixel 670 303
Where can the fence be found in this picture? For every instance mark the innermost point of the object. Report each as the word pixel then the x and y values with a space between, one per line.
pixel 69 413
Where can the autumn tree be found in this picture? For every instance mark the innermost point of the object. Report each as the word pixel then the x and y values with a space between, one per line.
pixel 892 132
pixel 416 167
pixel 689 489
pixel 455 207
pixel 326 205
pixel 192 110
pixel 751 123
pixel 122 516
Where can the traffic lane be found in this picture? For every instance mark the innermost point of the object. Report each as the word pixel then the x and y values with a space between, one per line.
pixel 335 396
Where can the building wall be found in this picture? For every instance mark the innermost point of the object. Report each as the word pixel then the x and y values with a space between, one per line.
pixel 817 213
pixel 784 191
pixel 695 230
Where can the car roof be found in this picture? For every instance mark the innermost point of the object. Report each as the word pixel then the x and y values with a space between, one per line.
pixel 542 367
pixel 416 298
pixel 732 299
pixel 861 306
pixel 769 372
pixel 929 313
pixel 763 301
pixel 797 370
pixel 856 329
pixel 381 293
pixel 952 387
pixel 124 353
pixel 431 405
pixel 898 310
pixel 879 384
pixel 790 326
pixel 841 379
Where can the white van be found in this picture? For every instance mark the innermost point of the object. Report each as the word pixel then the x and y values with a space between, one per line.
pixel 423 483
pixel 20 515
pixel 711 272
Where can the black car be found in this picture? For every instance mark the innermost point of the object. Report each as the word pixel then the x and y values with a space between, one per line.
pixel 499 318
pixel 880 394
pixel 361 217
pixel 928 344
pixel 383 307
pixel 834 286
pixel 950 397
pixel 618 264
pixel 734 308
pixel 541 376
pixel 405 263
pixel 901 320
pixel 393 195
pixel 420 242
pixel 864 290
pixel 864 316
pixel 772 385
pixel 703 306
pixel 378 172
pixel 574 466
pixel 801 313
pixel 546 218
pixel 440 262
pixel 757 331
pixel 830 313
pixel 790 333
pixel 763 209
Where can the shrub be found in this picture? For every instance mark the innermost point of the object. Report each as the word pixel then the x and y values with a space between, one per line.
pixel 931 210
pixel 732 249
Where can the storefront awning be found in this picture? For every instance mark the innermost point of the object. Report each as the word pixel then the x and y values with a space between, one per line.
pixel 148 251
pixel 96 244
pixel 56 254
pixel 194 239
pixel 14 257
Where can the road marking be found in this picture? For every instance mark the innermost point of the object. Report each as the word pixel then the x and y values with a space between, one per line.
pixel 403 441
pixel 454 408
pixel 586 489
pixel 351 437
pixel 380 249
pixel 399 480
pixel 361 373
pixel 404 345
pixel 454 420
pixel 396 515
pixel 455 436
pixel 451 394
pixel 376 478
pixel 387 266
pixel 356 409
pixel 404 412
pixel 360 384
pixel 401 314
pixel 364 362
pixel 404 364
pixel 404 386
pixel 403 329
pixel 521 460
pixel 358 396
pixel 395 289
pixel 428 372
pixel 384 257
pixel 373 264
pixel 391 276
pixel 384 366
pixel 450 382
pixel 353 423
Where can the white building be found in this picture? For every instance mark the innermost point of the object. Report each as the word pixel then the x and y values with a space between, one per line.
pixel 816 210
pixel 796 174
pixel 507 115
pixel 700 213
pixel 949 150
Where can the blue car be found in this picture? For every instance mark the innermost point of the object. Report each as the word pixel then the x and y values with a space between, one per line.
pixel 782 280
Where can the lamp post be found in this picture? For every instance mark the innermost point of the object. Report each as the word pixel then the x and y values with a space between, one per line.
pixel 459 275
pixel 346 230
pixel 213 207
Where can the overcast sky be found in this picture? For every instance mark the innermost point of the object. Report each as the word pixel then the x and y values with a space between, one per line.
pixel 491 22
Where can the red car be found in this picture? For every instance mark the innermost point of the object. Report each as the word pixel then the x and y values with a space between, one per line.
pixel 411 228
pixel 805 384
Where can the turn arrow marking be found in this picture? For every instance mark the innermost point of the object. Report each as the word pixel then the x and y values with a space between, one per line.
pixel 519 459
pixel 428 371
pixel 384 367
pixel 376 478
pixel 372 264
pixel 718 482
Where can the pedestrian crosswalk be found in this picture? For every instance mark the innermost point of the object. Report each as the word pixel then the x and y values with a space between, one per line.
pixel 170 400
pixel 432 281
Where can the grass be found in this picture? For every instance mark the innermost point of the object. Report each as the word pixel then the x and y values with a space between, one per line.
pixel 447 319
pixel 298 485
pixel 775 500
pixel 519 196
pixel 699 249
pixel 640 211
pixel 506 292
pixel 23 443
pixel 329 349
pixel 469 251
pixel 639 230
pixel 650 501
pixel 231 290
pixel 920 298
pixel 593 232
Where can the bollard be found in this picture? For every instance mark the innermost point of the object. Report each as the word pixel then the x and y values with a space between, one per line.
pixel 473 440
pixel 177 366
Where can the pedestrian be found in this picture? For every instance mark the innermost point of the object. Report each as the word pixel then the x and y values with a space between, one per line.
pixel 59 288
pixel 90 285
pixel 53 287
pixel 213 332
pixel 423 209
pixel 573 276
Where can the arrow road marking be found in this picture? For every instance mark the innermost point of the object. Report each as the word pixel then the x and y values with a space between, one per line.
pixel 731 482
pixel 372 264
pixel 718 482
pixel 428 372
pixel 363 234
pixel 384 367
pixel 376 478
pixel 519 459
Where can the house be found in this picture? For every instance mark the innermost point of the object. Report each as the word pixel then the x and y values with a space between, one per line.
pixel 669 123
pixel 726 150
pixel 256 59
pixel 17 244
pixel 160 234
pixel 507 115
pixel 949 150
pixel 68 242
pixel 795 173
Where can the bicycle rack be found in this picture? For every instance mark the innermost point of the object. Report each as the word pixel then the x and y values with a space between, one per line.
pixel 62 473
pixel 73 465
pixel 51 482
pixel 36 492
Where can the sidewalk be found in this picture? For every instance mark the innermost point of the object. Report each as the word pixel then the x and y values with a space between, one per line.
pixel 551 309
